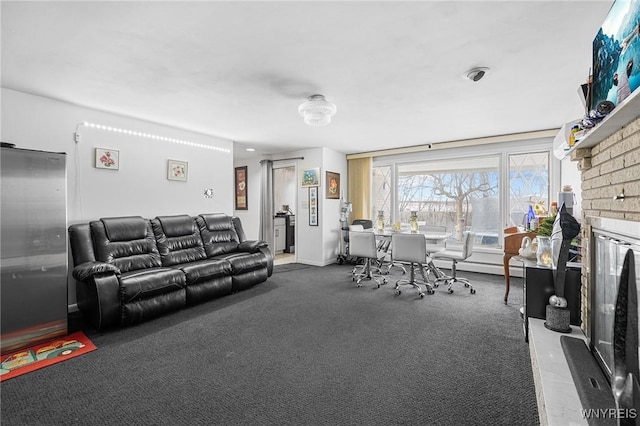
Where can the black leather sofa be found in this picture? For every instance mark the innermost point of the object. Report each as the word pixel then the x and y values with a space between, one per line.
pixel 131 269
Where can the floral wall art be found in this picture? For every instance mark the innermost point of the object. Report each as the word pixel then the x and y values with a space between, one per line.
pixel 177 170
pixel 107 159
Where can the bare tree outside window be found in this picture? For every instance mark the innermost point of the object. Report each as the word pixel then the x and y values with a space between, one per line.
pixel 446 197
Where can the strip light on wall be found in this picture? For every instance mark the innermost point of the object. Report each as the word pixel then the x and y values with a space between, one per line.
pixel 148 136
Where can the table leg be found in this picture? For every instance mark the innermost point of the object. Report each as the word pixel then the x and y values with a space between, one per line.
pixel 505 261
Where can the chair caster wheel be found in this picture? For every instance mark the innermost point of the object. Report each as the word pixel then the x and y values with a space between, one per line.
pixel 436 285
pixel 472 291
pixel 450 290
pixel 398 292
pixel 430 291
pixel 466 285
pixel 421 295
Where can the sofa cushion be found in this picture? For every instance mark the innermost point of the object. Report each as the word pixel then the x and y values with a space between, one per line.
pixel 147 283
pixel 205 269
pixel 218 234
pixel 125 228
pixel 176 226
pixel 137 252
pixel 245 262
pixel 178 239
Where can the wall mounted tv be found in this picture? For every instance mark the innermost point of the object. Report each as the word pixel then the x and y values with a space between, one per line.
pixel 616 54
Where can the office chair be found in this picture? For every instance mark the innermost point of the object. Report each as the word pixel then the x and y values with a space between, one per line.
pixel 411 249
pixel 387 247
pixel 431 246
pixel 366 223
pixel 455 256
pixel 363 245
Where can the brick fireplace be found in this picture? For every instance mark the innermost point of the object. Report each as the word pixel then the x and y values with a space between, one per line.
pixel 610 176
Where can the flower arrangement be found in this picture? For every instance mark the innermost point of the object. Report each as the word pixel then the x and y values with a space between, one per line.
pixel 546 226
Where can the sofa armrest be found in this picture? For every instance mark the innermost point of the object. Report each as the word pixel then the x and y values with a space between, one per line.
pixel 269 257
pixel 251 246
pixel 99 300
pixel 89 269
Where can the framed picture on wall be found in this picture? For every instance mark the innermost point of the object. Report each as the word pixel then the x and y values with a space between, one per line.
pixel 107 159
pixel 177 170
pixel 241 188
pixel 311 177
pixel 333 185
pixel 314 208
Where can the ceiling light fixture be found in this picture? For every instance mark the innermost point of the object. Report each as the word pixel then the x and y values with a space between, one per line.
pixel 317 111
pixel 475 74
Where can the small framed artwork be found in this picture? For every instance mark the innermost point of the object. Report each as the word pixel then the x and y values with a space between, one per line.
pixel 311 177
pixel 333 185
pixel 314 208
pixel 241 188
pixel 177 170
pixel 107 159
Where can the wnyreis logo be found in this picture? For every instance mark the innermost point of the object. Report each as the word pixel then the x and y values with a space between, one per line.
pixel 611 413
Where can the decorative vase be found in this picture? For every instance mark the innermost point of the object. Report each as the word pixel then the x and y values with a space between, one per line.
pixel 413 222
pixel 543 254
pixel 528 248
pixel 380 221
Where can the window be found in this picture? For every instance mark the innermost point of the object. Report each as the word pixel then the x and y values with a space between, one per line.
pixel 528 185
pixel 482 188
pixel 460 194
pixel 382 192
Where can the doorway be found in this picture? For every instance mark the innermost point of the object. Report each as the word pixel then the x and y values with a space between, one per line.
pixel 285 202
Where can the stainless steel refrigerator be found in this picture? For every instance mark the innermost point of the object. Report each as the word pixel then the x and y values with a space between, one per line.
pixel 33 234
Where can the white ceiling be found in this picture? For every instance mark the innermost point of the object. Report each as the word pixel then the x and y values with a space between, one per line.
pixel 238 70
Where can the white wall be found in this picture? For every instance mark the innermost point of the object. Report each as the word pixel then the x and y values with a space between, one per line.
pixel 140 186
pixel 250 218
pixel 333 162
pixel 284 187
pixel 315 245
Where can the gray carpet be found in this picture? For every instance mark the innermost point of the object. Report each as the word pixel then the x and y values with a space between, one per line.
pixel 307 347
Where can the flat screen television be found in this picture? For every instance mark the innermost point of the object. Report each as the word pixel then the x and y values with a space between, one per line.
pixel 616 54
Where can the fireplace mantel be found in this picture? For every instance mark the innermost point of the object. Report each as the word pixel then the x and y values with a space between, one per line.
pixel 622 115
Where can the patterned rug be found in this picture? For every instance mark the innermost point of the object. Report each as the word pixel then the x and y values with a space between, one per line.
pixel 44 354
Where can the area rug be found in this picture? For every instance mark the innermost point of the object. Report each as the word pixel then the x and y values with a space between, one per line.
pixel 44 354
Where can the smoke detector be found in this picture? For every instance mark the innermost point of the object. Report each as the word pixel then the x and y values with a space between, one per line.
pixel 476 74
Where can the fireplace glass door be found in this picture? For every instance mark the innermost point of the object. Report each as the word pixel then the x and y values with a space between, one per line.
pixel 610 251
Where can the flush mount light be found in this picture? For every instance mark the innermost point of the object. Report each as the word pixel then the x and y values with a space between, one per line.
pixel 250 149
pixel 317 111
pixel 475 74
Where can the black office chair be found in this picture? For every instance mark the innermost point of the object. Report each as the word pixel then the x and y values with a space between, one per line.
pixel 366 223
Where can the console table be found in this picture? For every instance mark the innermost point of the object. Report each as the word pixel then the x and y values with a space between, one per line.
pixel 512 243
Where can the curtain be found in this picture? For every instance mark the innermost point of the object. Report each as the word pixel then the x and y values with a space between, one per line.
pixel 360 187
pixel 266 204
